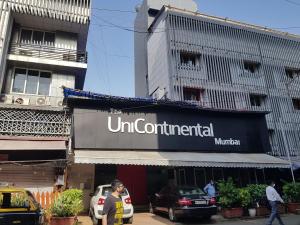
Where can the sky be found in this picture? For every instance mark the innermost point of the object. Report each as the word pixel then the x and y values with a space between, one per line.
pixel 111 49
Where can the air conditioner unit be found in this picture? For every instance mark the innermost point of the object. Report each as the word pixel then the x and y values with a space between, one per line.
pixel 59 103
pixel 21 101
pixel 40 101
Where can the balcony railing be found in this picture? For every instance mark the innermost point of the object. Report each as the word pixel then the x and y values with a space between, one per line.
pixel 48 52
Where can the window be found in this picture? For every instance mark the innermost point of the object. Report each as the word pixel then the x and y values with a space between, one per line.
pixel 192 94
pixel 257 100
pixel 291 73
pixel 296 103
pixel 27 81
pixel 37 37
pixel 153 12
pixel 190 59
pixel 251 67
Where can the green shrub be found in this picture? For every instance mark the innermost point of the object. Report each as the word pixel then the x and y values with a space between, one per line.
pixel 229 194
pixel 291 192
pixel 68 203
pixel 258 194
pixel 245 197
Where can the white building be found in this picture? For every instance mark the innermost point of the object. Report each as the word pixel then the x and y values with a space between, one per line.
pixel 42 48
pixel 214 62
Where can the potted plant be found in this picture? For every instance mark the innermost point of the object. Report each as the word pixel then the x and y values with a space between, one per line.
pixel 229 199
pixel 258 198
pixel 66 207
pixel 291 193
pixel 246 201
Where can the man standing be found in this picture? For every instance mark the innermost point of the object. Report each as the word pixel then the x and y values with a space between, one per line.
pixel 210 189
pixel 113 205
pixel 273 198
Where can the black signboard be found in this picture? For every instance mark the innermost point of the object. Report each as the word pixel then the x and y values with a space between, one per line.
pixel 170 130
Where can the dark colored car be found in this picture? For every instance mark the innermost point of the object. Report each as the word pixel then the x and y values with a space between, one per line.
pixel 18 206
pixel 183 201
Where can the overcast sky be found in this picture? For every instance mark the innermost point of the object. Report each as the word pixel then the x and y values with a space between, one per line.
pixel 110 49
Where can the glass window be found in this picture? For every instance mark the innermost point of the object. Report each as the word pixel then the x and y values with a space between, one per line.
pixel 44 83
pixel 49 38
pixel 26 36
pixel 19 80
pixel 38 37
pixel 32 82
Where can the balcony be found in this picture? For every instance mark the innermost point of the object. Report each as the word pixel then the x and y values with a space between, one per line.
pixel 48 55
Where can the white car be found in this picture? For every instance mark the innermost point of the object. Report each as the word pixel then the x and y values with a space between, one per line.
pixel 97 203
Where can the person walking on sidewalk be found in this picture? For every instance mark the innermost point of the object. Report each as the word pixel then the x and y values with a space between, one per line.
pixel 113 205
pixel 273 197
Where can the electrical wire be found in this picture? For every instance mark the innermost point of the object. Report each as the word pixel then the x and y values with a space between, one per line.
pixel 292 2
pixel 114 10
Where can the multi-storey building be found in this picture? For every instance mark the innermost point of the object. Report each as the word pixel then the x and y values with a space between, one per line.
pixel 42 48
pixel 214 62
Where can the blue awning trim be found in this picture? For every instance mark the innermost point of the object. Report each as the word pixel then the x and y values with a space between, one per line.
pixel 70 93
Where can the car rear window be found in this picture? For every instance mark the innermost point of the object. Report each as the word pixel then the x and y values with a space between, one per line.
pixel 12 200
pixel 108 190
pixel 190 191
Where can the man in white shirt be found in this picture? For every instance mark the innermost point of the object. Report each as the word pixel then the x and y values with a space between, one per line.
pixel 273 197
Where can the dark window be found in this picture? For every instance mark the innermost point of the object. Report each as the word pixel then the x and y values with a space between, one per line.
pixel 37 37
pixel 291 73
pixel 44 83
pixel 153 12
pixel 257 100
pixel 191 59
pixel 251 67
pixel 19 80
pixel 31 82
pixel 192 94
pixel 296 103
pixel 26 36
pixel 49 38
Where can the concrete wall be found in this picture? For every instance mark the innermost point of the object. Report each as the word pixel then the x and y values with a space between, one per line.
pixel 81 176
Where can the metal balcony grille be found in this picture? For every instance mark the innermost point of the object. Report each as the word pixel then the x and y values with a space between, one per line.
pixel 37 123
pixel 48 52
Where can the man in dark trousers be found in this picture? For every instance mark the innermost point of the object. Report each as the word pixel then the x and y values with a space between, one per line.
pixel 113 205
pixel 273 198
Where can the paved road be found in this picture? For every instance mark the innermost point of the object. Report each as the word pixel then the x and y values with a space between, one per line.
pixel 149 219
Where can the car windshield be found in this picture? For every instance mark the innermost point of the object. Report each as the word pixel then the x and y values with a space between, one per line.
pixel 190 191
pixel 108 190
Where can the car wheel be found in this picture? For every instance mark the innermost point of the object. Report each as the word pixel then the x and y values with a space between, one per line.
pixel 151 209
pixel 128 220
pixel 172 215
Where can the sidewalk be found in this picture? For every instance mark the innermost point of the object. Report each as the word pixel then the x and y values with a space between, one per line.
pixel 150 219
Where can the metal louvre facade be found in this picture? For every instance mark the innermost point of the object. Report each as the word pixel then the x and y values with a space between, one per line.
pixel 222 49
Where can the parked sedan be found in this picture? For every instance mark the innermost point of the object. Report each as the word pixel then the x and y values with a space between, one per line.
pixel 18 206
pixel 183 201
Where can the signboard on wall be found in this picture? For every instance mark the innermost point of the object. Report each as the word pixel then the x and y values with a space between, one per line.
pixel 169 130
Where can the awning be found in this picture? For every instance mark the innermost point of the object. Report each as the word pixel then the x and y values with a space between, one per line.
pixel 151 158
pixel 32 145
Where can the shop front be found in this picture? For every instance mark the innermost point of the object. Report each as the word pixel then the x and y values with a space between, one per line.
pixel 148 144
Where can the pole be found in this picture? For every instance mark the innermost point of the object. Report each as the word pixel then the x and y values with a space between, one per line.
pixel 286 149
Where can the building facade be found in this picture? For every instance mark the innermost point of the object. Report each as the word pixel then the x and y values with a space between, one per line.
pixel 42 49
pixel 219 63
pixel 150 143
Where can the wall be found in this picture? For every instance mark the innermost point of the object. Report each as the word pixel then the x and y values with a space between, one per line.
pixel 81 176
